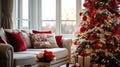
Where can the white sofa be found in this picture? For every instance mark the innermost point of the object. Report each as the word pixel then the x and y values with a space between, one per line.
pixel 9 58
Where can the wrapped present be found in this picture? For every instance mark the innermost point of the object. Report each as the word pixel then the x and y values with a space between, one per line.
pixel 84 61
pixel 102 65
pixel 80 60
pixel 95 65
pixel 87 61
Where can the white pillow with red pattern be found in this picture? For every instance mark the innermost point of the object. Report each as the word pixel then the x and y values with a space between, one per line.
pixel 43 41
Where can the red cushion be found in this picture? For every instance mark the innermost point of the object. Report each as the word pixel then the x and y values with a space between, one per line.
pixel 42 32
pixel 59 40
pixel 1 40
pixel 16 40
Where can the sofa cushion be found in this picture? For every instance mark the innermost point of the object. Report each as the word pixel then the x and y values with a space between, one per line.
pixel 59 52
pixel 42 32
pixel 28 57
pixel 16 40
pixel 59 40
pixel 24 59
pixel 43 40
pixel 40 41
pixel 51 39
pixel 26 37
pixel 11 31
pixel 57 37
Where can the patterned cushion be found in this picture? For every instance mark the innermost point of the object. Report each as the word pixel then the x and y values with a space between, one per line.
pixel 43 40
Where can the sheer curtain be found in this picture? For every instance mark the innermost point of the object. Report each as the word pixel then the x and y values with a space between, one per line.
pixel 6 14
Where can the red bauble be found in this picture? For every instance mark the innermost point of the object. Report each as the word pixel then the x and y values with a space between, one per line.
pixel 86 4
pixel 80 13
pixel 92 37
pixel 82 29
pixel 96 46
pixel 75 43
pixel 92 13
pixel 84 18
pixel 118 32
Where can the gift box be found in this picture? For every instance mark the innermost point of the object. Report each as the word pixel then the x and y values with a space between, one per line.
pixel 95 65
pixel 80 61
pixel 102 65
pixel 84 61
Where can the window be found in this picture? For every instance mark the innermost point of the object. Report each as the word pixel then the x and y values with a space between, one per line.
pixel 48 15
pixel 68 16
pixel 22 14
pixel 60 16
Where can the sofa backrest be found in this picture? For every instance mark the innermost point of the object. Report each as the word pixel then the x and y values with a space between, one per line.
pixel 2 34
pixel 26 36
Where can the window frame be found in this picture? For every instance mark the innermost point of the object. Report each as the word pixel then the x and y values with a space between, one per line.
pixel 58 17
pixel 35 21
pixel 18 10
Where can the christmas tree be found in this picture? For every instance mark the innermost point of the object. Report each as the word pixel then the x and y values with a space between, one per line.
pixel 99 32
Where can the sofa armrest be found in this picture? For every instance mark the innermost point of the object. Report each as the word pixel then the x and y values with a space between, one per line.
pixel 67 43
pixel 6 55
